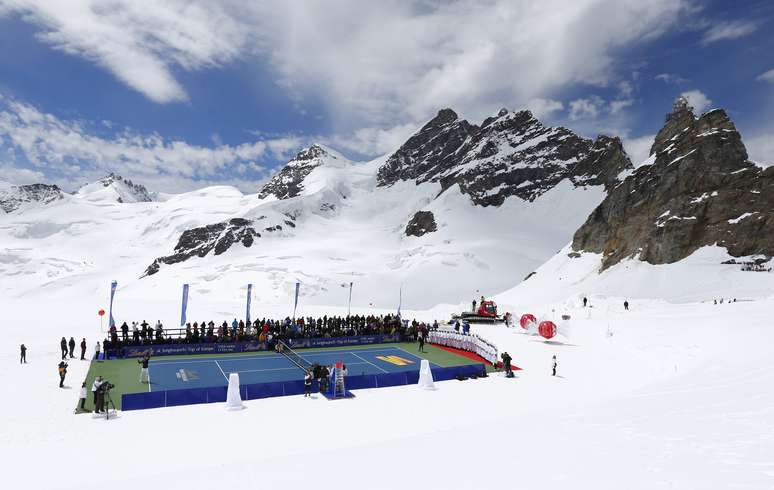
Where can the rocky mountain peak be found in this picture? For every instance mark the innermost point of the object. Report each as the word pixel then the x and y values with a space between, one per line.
pixel 700 190
pixel 511 154
pixel 288 182
pixel 116 188
pixel 12 197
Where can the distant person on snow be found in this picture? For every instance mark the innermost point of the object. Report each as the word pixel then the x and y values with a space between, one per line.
pixel 308 383
pixel 83 394
pixel 71 344
pixel 421 339
pixel 626 305
pixel 585 301
pixel 553 366
pixel 62 373
pixel 83 349
pixel 507 365
pixel 473 308
pixel 23 354
pixel 95 390
pixel 63 346
pixel 457 326
pixel 96 351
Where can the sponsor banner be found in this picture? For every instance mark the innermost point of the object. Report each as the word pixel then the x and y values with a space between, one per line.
pixel 188 349
pixel 343 341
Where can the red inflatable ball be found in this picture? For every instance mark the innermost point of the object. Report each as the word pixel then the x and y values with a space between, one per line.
pixel 547 329
pixel 526 319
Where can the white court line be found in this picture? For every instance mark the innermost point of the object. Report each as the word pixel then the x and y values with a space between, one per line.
pixel 294 368
pixel 371 363
pixel 238 358
pixel 149 383
pixel 221 370
pixel 420 358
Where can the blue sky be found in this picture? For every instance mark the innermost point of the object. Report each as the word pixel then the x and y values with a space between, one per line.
pixel 182 94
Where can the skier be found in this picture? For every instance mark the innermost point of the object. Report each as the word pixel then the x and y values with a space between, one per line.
pixel 144 376
pixel 553 366
pixel 308 383
pixel 62 373
pixel 83 349
pixel 421 339
pixel 626 305
pixel 63 346
pixel 23 354
pixel 71 345
pixel 507 365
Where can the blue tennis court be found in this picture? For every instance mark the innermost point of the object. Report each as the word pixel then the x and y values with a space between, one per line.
pixel 264 368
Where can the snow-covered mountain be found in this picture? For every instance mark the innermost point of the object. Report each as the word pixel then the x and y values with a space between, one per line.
pixel 114 188
pixel 466 225
pixel 12 197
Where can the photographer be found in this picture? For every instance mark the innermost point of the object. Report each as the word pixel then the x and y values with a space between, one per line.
pixel 95 390
pixel 62 373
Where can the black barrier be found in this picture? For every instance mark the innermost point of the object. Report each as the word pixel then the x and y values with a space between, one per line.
pixel 155 350
pixel 193 396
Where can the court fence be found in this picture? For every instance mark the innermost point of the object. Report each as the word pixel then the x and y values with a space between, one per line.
pixel 155 350
pixel 193 396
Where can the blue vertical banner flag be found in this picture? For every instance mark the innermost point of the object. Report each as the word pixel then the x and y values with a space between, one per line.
pixel 249 296
pixel 185 305
pixel 113 286
pixel 295 304
pixel 400 298
pixel 349 304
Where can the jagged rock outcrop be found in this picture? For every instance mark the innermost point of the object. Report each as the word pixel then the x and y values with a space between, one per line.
pixel 198 242
pixel 699 190
pixel 421 223
pixel 12 197
pixel 288 182
pixel 512 154
pixel 127 191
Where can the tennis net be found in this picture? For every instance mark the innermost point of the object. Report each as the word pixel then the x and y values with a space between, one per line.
pixel 293 356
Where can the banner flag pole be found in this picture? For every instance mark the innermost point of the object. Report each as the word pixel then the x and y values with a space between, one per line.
pixel 185 305
pixel 113 286
pixel 298 285
pixel 249 296
pixel 349 304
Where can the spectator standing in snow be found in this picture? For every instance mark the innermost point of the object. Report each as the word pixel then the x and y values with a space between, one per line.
pixel 473 308
pixel 626 305
pixel 23 354
pixel 124 332
pixel 585 301
pixel 96 350
pixel 308 383
pixel 553 366
pixel 63 346
pixel 95 389
pixel 71 345
pixel 62 373
pixel 507 365
pixel 82 404
pixel 83 349
pixel 421 339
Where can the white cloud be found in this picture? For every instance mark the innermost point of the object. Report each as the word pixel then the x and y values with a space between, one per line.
pixel 617 106
pixel 56 147
pixel 372 141
pixel 374 63
pixel 767 76
pixel 670 78
pixel 543 107
pixel 726 31
pixel 639 148
pixel 587 108
pixel 760 148
pixel 140 41
pixel 698 100
pixel 19 175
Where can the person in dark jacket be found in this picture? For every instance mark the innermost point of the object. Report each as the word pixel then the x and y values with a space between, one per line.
pixel 421 339
pixel 324 373
pixel 63 345
pixel 626 305
pixel 144 375
pixel 83 349
pixel 71 344
pixel 308 383
pixel 62 373
pixel 23 354
pixel 507 365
